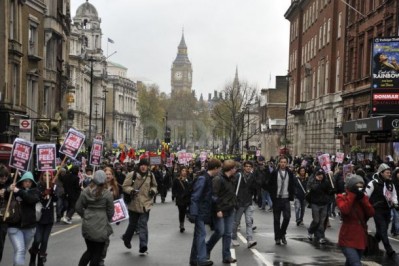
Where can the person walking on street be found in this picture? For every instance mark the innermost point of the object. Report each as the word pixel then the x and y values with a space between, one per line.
pixel 181 191
pixel 22 231
pixel 72 192
pixel 5 182
pixel 225 199
pixel 282 190
pixel 142 187
pixel 245 188
pixel 383 197
pixel 355 210
pixel 46 222
pixel 319 188
pixel 96 207
pixel 300 191
pixel 201 213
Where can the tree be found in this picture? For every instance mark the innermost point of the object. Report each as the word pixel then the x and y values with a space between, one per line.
pixel 229 113
pixel 151 111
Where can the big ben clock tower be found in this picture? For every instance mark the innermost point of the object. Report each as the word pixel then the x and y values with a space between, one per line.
pixel 181 72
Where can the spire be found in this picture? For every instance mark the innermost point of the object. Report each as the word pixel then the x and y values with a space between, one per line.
pixel 236 82
pixel 182 44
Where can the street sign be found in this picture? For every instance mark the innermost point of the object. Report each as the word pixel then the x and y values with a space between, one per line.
pixel 25 124
pixel 376 140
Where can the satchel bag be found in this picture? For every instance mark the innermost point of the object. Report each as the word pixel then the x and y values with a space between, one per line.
pixel 13 216
pixel 39 209
pixel 372 247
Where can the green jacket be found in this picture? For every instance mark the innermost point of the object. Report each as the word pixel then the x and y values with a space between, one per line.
pixel 96 214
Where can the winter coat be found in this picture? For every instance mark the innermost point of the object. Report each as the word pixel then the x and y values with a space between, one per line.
pixel 273 185
pixel 201 198
pixel 299 190
pixel 375 191
pixel 47 212
pixel 352 233
pixel 181 191
pixel 71 186
pixel 3 200
pixel 247 189
pixel 320 191
pixel 28 199
pixel 223 193
pixel 96 213
pixel 143 201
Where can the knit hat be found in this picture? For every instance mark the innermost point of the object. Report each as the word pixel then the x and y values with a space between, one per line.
pixel 144 162
pixel 383 167
pixel 99 177
pixel 353 180
pixel 27 176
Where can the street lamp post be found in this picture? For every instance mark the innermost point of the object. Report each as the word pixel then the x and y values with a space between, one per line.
pixel 91 59
pixel 105 91
pixel 247 142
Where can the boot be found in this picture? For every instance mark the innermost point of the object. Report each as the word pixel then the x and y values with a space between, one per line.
pixel 41 259
pixel 182 229
pixel 33 254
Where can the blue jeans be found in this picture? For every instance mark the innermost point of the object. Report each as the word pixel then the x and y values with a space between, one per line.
pixel 223 228
pixel 300 206
pixel 248 212
pixel 281 206
pixel 138 221
pixel 266 198
pixel 198 248
pixel 20 240
pixel 395 222
pixel 319 214
pixel 42 235
pixel 353 256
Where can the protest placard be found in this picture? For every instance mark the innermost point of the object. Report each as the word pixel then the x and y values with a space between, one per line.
pixel 339 157
pixel 72 144
pixel 156 160
pixel 96 151
pixel 325 162
pixel 46 157
pixel 21 154
pixel 120 211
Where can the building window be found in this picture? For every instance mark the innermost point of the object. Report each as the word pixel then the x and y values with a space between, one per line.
pixel 324 33
pixel 369 56
pixel 33 38
pixel 320 36
pixel 328 30
pixel 326 78
pixel 337 74
pixel 15 92
pixel 339 25
pixel 31 97
pixel 360 61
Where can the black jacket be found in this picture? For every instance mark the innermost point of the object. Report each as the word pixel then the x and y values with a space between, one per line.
pixel 28 199
pixel 299 190
pixel 247 188
pixel 272 185
pixel 181 191
pixel 320 190
pixel 48 207
pixel 223 193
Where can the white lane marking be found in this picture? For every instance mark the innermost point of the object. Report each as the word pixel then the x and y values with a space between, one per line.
pixel 233 255
pixel 255 251
pixel 64 230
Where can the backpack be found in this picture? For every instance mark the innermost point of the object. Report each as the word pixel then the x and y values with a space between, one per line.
pixel 126 196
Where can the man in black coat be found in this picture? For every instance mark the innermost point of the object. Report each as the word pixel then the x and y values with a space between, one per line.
pixel 72 192
pixel 282 190
pixel 5 182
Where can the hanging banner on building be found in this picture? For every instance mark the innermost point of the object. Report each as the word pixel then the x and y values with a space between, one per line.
pixel 385 75
pixel 96 151
pixel 46 157
pixel 72 144
pixel 21 154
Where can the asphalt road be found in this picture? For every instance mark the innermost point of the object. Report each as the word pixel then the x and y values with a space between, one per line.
pixel 167 246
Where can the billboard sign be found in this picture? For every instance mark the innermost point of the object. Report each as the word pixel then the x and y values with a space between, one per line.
pixel 385 75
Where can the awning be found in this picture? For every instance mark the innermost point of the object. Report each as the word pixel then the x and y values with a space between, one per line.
pixel 379 123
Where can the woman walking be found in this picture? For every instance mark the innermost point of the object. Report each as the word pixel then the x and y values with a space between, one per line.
pixel 95 206
pixel 46 222
pixel 355 210
pixel 181 191
pixel 22 231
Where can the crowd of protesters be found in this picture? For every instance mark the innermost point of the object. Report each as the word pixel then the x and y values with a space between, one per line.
pixel 213 192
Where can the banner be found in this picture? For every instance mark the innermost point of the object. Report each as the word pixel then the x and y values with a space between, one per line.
pixel 385 76
pixel 156 160
pixel 96 151
pixel 120 211
pixel 325 162
pixel 46 157
pixel 339 157
pixel 21 154
pixel 72 144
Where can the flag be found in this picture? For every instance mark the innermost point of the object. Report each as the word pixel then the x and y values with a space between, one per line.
pixel 110 40
pixel 122 157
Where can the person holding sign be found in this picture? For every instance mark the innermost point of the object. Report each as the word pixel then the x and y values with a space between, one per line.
pixel 21 231
pixel 5 182
pixel 96 207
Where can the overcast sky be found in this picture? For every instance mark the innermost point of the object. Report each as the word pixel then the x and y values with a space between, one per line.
pixel 220 35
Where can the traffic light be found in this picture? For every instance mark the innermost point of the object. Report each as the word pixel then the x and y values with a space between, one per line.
pixel 167 135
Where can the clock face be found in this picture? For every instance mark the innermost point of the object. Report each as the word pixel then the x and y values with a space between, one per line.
pixel 178 75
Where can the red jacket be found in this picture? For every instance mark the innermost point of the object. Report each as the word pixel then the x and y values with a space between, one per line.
pixel 352 233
